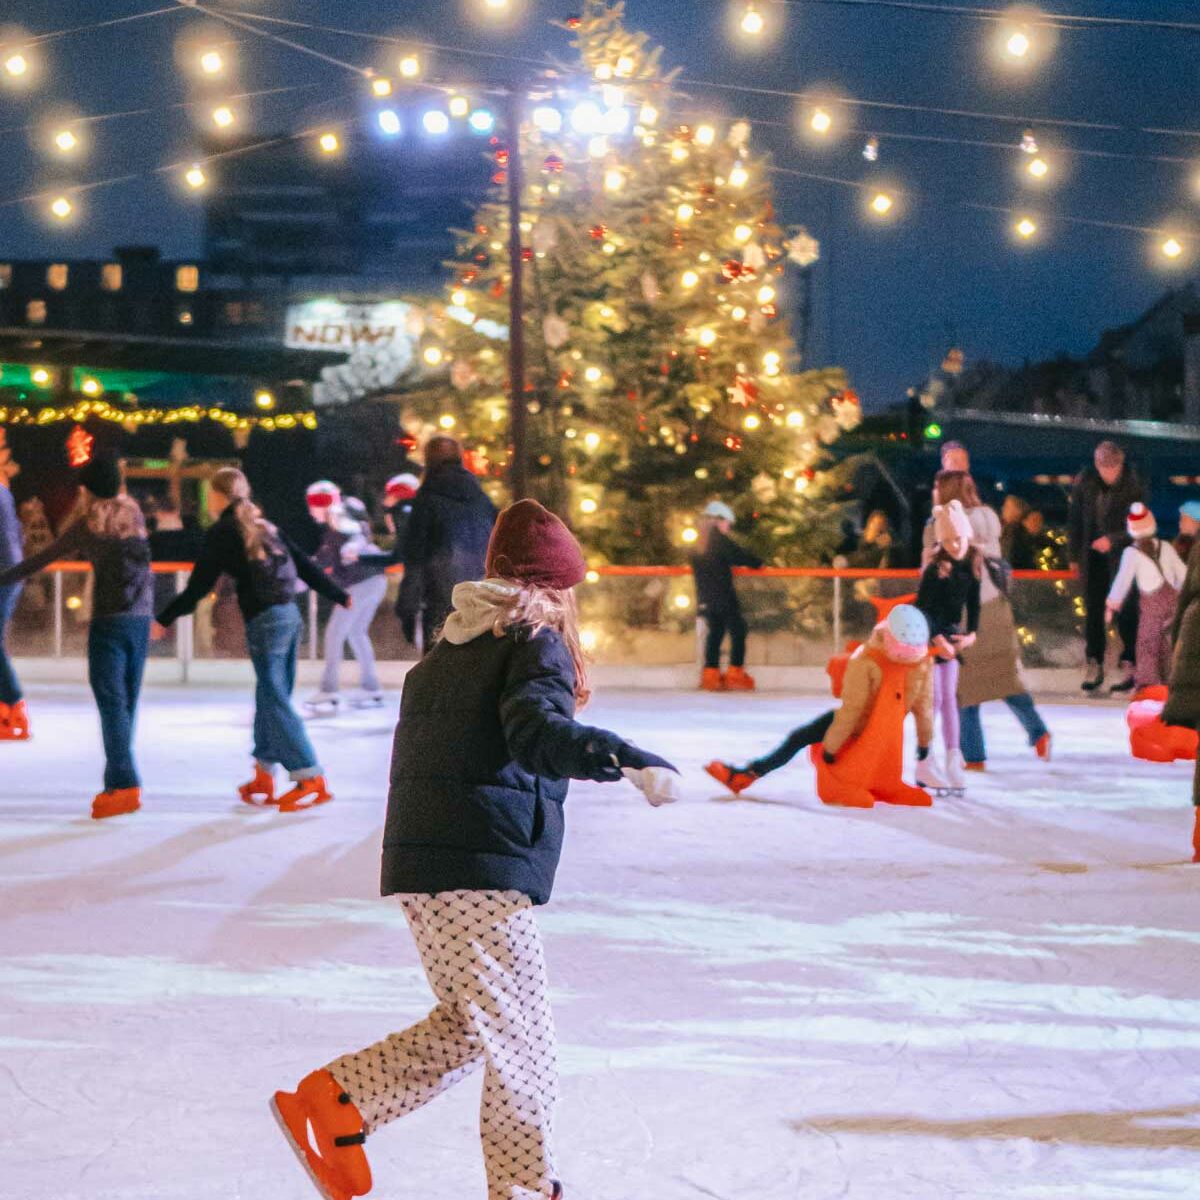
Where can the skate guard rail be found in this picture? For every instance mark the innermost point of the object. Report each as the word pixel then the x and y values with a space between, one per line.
pixel 185 635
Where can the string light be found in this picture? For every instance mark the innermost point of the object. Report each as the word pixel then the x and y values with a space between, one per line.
pixel 1172 248
pixel 1039 168
pixel 684 213
pixel 871 150
pixel 766 294
pixel 192 414
pixel 436 122
pixel 16 65
pixel 705 135
pixel 223 116
pixel 40 376
pixel 1026 227
pixel 481 121
pixel 433 356
pixel 447 421
pixel 648 115
pixel 1017 45
pixel 459 106
pixel 743 233
pixel 821 122
pixel 264 399
pixel 591 441
pixel 381 87
pixel 91 387
pixel 882 204
pixel 689 279
pixel 329 143
pixel 61 208
pixel 195 177
pixel 547 119
pixel 593 375
pixel 614 180
pixel 410 66
pixel 739 176
pixel 65 141
pixel 752 422
pixel 211 62
pixel 588 506
pixel 389 121
pixel 690 535
pixel 752 23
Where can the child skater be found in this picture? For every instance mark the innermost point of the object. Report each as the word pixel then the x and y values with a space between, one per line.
pixel 355 563
pixel 949 584
pixel 486 745
pixel 717 600
pixel 263 564
pixel 14 718
pixel 900 642
pixel 1159 574
pixel 109 531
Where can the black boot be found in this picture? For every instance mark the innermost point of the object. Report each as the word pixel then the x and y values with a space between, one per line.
pixel 1128 682
pixel 1095 677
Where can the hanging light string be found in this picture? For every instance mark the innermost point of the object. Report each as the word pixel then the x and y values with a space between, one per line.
pixel 1074 21
pixel 38 39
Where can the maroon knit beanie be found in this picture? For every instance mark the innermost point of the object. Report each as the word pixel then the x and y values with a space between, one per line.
pixel 531 545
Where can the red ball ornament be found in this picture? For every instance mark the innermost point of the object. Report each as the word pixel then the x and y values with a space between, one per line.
pixel 553 165
pixel 573 22
pixel 502 156
pixel 770 311
pixel 733 442
pixel 469 276
pixel 732 269
pixel 500 177
pixel 526 255
pixel 598 232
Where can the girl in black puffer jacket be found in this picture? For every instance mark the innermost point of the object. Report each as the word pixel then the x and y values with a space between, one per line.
pixel 484 751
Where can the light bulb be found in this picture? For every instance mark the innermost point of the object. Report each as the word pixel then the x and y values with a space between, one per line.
pixel 614 180
pixel 389 121
pixel 436 122
pixel 264 399
pixel 684 213
pixel 329 143
pixel 588 506
pixel 1172 248
pixel 447 421
pixel 625 66
pixel 705 135
pixel 882 204
pixel 690 535
pixel 593 374
pixel 1018 44
pixel 821 122
pixel 689 279
pixel 739 313
pixel 648 115
pixel 459 298
pixel 211 62
pixel 591 441
pixel 223 117
pixel 16 65
pixel 752 21
pixel 547 119
pixel 1039 168
pixel 91 387
pixel 459 106
pixel 195 178
pixel 586 117
pixel 752 421
pixel 40 376
pixel 61 207
pixel 795 419
pixel 496 6
pixel 1026 227
pixel 679 153
pixel 482 121
pixel 766 294
pixel 707 337
pixel 739 176
pixel 381 87
pixel 66 141
pixel 433 355
pixel 743 233
pixel 410 66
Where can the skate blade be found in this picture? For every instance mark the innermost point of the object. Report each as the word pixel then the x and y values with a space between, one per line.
pixel 303 1154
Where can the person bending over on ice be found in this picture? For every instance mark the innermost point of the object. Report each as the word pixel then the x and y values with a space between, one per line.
pixel 897 646
pixel 949 585
pixel 1158 572
pixel 483 753
pixel 717 600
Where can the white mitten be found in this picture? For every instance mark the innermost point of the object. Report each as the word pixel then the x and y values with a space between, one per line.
pixel 658 784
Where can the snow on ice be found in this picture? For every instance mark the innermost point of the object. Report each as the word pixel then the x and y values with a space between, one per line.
pixel 757 1000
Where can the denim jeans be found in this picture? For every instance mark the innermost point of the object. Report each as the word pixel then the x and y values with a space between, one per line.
pixel 273 638
pixel 10 687
pixel 974 749
pixel 117 648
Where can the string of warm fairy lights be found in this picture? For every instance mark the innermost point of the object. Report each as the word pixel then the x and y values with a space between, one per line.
pixel 83 410
pixel 822 117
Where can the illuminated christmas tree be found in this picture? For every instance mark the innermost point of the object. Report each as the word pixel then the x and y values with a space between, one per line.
pixel 662 370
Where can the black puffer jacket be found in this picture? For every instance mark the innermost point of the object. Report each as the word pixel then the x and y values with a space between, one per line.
pixel 445 543
pixel 716 595
pixel 486 745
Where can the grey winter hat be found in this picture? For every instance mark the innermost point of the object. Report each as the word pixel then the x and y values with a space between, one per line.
pixel 720 511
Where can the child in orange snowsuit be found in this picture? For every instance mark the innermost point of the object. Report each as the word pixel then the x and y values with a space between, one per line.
pixel 861 759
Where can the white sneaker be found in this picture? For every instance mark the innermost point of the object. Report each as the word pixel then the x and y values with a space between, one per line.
pixel 929 776
pixel 956 771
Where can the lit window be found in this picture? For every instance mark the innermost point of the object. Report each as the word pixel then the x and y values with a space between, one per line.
pixel 35 312
pixel 187 279
pixel 5 275
pixel 112 277
pixel 57 275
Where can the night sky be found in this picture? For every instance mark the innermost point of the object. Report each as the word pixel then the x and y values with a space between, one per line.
pixel 891 300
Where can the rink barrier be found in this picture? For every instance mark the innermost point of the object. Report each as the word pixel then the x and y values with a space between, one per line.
pixel 185 635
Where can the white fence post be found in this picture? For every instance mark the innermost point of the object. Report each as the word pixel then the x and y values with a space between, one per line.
pixel 58 614
pixel 185 634
pixel 837 614
pixel 314 649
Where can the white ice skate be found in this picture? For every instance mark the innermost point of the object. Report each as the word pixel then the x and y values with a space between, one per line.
pixel 365 699
pixel 323 704
pixel 956 773
pixel 933 780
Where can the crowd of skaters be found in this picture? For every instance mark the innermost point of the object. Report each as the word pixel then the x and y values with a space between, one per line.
pixel 474 827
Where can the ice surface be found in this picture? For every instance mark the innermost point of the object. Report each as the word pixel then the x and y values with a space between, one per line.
pixel 757 1000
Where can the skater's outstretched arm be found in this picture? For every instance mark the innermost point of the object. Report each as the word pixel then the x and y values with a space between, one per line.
pixel 60 549
pixel 209 568
pixel 537 712
pixel 313 575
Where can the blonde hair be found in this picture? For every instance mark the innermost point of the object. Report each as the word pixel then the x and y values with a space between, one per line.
pixel 536 608
pixel 119 518
pixel 253 526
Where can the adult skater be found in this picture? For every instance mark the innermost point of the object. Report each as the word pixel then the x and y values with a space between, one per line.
pixel 991 668
pixel 483 753
pixel 950 587
pixel 1189 528
pixel 1102 496
pixel 1156 570
pixel 399 495
pixel 1183 697
pixel 264 565
pixel 446 540
pixel 353 561
pixel 14 717
pixel 109 531
pixel 717 600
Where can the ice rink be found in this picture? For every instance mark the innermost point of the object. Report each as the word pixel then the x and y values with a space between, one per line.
pixel 757 1000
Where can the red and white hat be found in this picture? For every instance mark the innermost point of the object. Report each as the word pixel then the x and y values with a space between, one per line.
pixel 323 494
pixel 400 488
pixel 1141 522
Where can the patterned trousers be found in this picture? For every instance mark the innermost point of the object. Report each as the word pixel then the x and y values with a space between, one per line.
pixel 483 955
